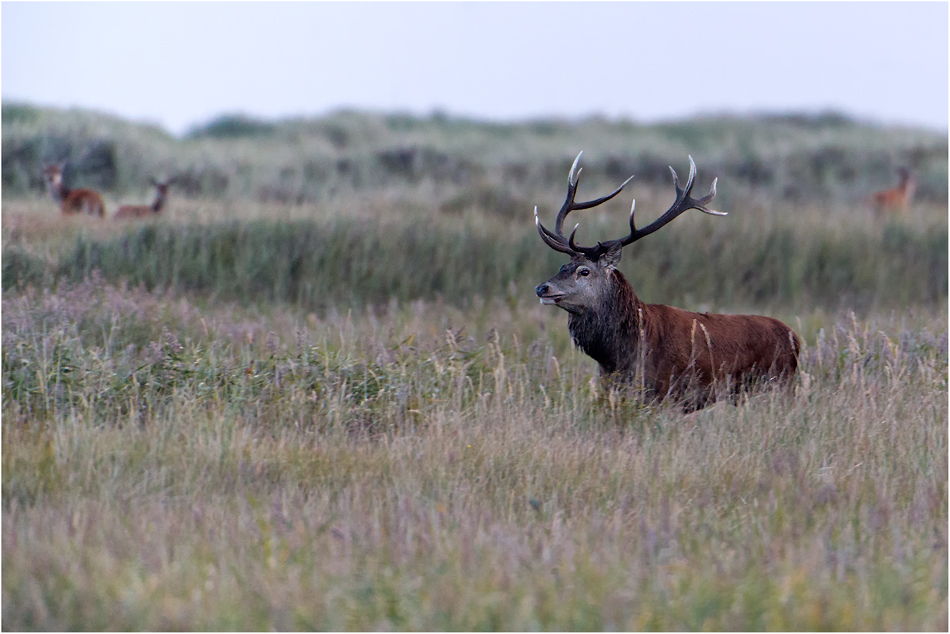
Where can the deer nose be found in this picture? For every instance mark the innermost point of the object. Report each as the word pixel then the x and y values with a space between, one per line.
pixel 541 290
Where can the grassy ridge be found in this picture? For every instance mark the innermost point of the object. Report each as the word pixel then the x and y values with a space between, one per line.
pixel 789 157
pixel 349 261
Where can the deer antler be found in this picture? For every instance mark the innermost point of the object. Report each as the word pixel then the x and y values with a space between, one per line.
pixel 556 239
pixel 165 182
pixel 682 203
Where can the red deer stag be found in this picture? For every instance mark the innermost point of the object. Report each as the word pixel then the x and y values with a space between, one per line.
pixel 71 201
pixel 684 356
pixel 144 211
pixel 897 199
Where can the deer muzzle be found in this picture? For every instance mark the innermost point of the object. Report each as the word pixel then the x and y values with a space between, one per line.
pixel 547 297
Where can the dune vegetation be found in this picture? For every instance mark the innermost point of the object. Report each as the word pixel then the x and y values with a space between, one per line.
pixel 318 392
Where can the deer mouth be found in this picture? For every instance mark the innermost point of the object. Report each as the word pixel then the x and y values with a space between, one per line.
pixel 551 299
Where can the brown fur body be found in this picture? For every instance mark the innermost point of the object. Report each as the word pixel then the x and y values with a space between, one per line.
pixel 126 212
pixel 83 201
pixel 684 355
pixel 72 201
pixel 897 199
pixel 144 211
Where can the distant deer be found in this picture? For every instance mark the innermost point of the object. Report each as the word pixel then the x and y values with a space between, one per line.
pixel 683 355
pixel 71 201
pixel 897 199
pixel 144 211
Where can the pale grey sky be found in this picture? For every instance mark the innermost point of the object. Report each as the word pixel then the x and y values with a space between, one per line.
pixel 182 63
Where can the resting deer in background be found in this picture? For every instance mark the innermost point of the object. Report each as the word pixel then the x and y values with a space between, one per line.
pixel 897 199
pixel 144 211
pixel 683 355
pixel 71 201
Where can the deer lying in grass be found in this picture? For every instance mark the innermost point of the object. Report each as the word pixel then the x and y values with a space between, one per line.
pixel 71 201
pixel 683 355
pixel 144 211
pixel 897 199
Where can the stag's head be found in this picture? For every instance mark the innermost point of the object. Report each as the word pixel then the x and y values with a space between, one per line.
pixel 53 174
pixel 905 175
pixel 586 280
pixel 162 185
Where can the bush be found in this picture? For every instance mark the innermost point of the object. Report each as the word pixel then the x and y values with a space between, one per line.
pixel 232 126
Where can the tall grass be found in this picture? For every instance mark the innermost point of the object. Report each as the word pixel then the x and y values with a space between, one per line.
pixel 318 392
pixel 167 466
pixel 354 262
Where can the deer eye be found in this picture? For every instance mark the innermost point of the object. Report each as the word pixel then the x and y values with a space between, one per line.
pixel 583 271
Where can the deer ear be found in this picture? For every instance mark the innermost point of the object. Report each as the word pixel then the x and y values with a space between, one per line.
pixel 612 256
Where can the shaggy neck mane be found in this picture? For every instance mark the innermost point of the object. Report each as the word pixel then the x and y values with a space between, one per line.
pixel 609 332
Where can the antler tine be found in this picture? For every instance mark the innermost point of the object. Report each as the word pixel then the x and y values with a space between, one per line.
pixel 570 176
pixel 702 202
pixel 571 243
pixel 684 191
pixel 573 179
pixel 572 206
pixel 633 208
pixel 682 203
pixel 550 239
pixel 544 229
pixel 594 203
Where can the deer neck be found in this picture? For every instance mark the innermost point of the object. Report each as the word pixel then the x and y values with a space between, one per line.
pixel 610 332
pixel 57 192
pixel 159 202
pixel 908 184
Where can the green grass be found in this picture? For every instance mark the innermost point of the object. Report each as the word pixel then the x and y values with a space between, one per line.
pixel 776 261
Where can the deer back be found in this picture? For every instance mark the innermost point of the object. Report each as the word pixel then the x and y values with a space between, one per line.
pixel 133 211
pixel 83 201
pixel 144 211
pixel 714 347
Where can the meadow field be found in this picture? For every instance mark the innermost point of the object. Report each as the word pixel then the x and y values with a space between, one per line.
pixel 318 392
